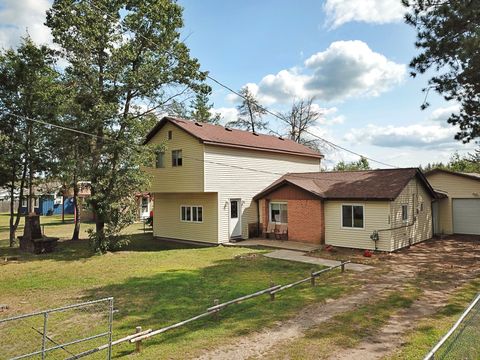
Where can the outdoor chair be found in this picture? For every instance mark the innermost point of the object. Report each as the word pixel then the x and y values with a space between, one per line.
pixel 270 230
pixel 281 232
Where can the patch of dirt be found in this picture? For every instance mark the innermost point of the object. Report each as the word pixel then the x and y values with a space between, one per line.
pixel 435 266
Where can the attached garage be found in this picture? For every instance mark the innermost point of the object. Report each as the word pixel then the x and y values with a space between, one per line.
pixel 459 211
pixel 466 216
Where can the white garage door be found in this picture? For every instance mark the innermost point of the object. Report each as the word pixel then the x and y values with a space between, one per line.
pixel 466 216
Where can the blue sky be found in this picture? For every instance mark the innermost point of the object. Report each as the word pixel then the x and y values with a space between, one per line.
pixel 352 55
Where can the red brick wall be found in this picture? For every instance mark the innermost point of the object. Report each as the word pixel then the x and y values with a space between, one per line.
pixel 305 214
pixel 306 221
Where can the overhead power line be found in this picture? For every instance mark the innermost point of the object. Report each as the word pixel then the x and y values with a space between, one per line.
pixel 139 147
pixel 268 111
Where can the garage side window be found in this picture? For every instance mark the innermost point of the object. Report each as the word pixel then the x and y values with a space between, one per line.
pixel 353 216
pixel 405 213
pixel 190 213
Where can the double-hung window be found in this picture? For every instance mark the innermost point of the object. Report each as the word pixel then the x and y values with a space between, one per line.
pixel 278 212
pixel 353 216
pixel 190 213
pixel 160 161
pixel 405 213
pixel 177 158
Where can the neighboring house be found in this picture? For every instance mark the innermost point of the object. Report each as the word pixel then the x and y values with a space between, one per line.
pixel 203 184
pixel 348 208
pixel 459 211
pixel 5 200
pixel 50 198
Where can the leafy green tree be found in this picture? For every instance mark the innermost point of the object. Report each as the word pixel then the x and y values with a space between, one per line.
pixel 361 164
pixel 449 40
pixel 250 113
pixel 469 163
pixel 121 54
pixel 201 110
pixel 28 89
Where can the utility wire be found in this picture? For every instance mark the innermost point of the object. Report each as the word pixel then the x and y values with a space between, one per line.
pixel 268 111
pixel 143 148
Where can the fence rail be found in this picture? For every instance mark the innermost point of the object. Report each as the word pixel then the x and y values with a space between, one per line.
pixel 461 341
pixel 272 290
pixel 69 330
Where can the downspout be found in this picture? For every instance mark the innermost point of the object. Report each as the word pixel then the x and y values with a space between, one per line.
pixel 258 217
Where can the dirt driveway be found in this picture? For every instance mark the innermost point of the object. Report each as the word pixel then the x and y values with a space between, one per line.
pixel 435 268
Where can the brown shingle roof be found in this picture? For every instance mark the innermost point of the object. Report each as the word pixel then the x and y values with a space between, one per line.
pixel 221 136
pixel 384 184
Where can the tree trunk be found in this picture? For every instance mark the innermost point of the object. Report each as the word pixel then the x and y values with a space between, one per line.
pixel 76 211
pixel 12 211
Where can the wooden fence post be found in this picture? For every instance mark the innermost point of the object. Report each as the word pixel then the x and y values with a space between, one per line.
pixel 215 314
pixel 272 295
pixel 312 278
pixel 138 344
pixel 343 267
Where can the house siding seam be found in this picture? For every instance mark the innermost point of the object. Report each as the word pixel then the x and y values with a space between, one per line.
pixel 234 180
pixel 186 178
pixel 167 223
pixel 375 218
pixel 419 226
pixel 456 187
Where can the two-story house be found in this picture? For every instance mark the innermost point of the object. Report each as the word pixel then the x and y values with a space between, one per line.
pixel 204 182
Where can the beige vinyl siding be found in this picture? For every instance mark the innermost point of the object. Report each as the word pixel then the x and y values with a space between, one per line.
pixel 456 187
pixel 167 223
pixel 419 225
pixel 227 172
pixel 375 218
pixel 185 178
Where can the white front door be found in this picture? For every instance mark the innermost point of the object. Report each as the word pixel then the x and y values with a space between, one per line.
pixel 235 218
pixel 145 208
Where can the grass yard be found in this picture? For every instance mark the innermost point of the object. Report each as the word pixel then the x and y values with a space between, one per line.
pixel 155 285
pixel 431 330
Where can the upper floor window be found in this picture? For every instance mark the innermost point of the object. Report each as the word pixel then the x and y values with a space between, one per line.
pixel 177 158
pixel 160 161
pixel 353 216
pixel 170 134
pixel 404 213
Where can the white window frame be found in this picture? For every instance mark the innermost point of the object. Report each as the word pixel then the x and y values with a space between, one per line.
pixel 353 221
pixel 175 164
pixel 401 214
pixel 270 211
pixel 191 214
pixel 160 154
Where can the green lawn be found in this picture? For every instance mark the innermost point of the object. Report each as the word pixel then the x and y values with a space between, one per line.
pixel 429 331
pixel 155 285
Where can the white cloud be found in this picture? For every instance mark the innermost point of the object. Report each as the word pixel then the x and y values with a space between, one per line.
pixel 329 115
pixel 18 17
pixel 227 113
pixel 340 12
pixel 432 133
pixel 345 69
pixel 442 114
pixel 416 135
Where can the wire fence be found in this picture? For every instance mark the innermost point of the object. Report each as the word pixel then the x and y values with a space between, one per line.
pixel 61 333
pixel 462 341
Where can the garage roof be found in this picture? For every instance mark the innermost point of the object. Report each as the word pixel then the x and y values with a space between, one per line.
pixel 383 184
